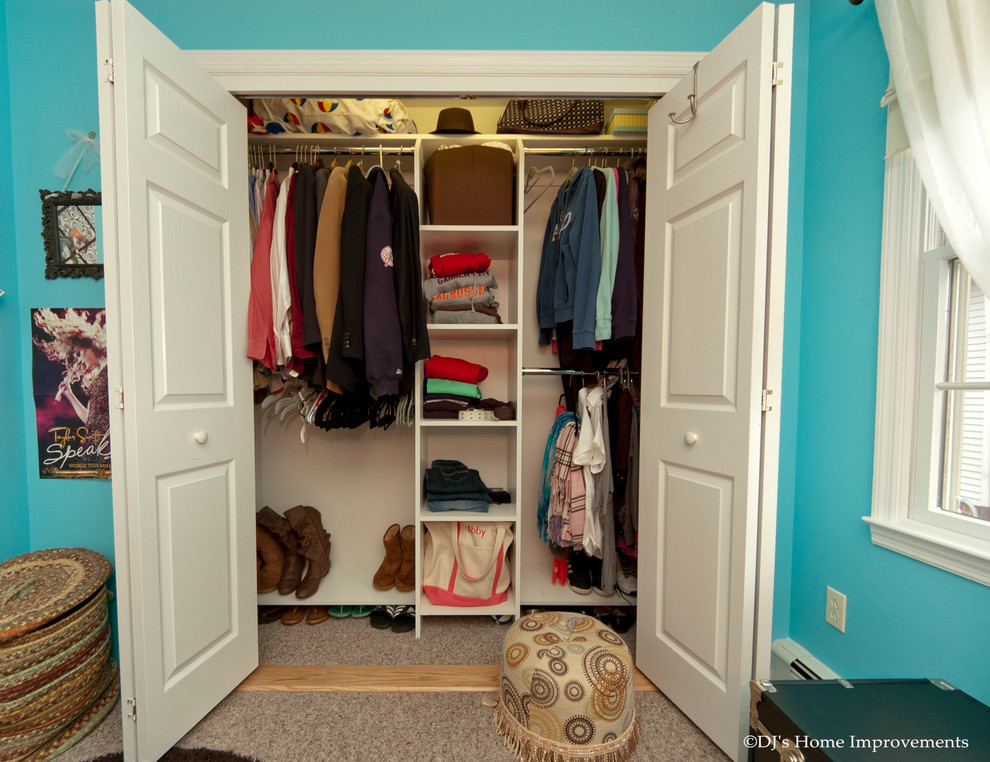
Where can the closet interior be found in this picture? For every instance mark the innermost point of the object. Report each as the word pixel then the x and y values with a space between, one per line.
pixel 362 480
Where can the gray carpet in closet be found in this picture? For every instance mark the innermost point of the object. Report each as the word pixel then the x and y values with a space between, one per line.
pixel 317 727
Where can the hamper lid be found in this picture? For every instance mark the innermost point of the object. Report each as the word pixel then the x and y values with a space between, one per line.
pixel 38 587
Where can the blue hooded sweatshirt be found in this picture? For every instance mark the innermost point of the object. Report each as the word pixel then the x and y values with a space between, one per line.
pixel 570 265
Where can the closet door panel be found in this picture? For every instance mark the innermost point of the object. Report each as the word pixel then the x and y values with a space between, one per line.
pixel 177 284
pixel 702 436
pixel 189 250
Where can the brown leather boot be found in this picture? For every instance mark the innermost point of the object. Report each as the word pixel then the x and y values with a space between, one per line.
pixel 292 569
pixel 385 576
pixel 314 544
pixel 405 579
pixel 272 559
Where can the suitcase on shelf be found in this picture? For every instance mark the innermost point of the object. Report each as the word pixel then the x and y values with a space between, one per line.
pixel 876 720
pixel 471 185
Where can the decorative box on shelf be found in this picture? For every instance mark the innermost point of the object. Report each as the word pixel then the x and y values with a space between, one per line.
pixel 625 120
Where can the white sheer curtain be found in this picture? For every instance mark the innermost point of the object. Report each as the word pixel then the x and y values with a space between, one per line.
pixel 939 53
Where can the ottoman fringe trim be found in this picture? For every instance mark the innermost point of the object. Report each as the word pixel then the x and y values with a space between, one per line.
pixel 530 747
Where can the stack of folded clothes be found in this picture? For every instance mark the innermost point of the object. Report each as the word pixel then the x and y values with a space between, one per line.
pixel 452 385
pixel 459 289
pixel 452 486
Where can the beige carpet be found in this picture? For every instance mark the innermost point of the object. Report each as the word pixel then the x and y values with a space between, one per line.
pixel 318 727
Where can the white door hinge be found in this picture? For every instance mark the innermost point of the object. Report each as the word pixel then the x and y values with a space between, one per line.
pixel 109 63
pixel 765 400
pixel 120 396
pixel 132 709
pixel 775 67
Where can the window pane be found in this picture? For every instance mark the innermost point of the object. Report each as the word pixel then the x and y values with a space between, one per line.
pixel 973 365
pixel 969 444
pixel 966 453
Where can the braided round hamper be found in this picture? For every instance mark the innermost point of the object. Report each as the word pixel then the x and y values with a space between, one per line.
pixel 57 680
pixel 566 690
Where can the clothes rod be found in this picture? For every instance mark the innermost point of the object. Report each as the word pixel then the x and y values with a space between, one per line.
pixel 307 149
pixel 629 151
pixel 572 372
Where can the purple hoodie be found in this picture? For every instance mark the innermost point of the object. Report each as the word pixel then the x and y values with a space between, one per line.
pixel 382 333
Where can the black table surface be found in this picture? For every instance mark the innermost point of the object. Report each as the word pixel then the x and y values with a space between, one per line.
pixel 878 720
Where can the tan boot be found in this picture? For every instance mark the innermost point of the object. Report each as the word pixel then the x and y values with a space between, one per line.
pixel 385 576
pixel 405 579
pixel 272 559
pixel 314 546
pixel 292 569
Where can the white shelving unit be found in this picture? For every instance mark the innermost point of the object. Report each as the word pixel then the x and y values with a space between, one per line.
pixel 491 447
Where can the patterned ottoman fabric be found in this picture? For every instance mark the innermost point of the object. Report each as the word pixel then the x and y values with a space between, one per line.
pixel 566 691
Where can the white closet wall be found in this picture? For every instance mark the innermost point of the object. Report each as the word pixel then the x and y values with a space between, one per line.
pixel 363 480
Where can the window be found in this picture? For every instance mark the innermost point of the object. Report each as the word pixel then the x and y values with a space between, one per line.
pixel 931 490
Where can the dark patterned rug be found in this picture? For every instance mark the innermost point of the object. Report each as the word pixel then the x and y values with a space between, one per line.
pixel 187 755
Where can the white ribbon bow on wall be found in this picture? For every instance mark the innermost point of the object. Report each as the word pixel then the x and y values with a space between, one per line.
pixel 84 152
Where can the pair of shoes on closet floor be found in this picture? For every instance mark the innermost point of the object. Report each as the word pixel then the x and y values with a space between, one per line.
pixel 398 569
pixel 285 544
pixel 269 614
pixel 342 612
pixel 312 614
pixel 584 573
pixel 619 618
pixel 400 618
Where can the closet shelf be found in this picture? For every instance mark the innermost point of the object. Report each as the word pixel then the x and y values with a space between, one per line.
pixel 499 242
pixel 505 512
pixel 427 608
pixel 447 423
pixel 347 584
pixel 291 139
pixel 473 332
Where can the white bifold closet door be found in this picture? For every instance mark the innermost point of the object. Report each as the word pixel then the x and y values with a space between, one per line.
pixel 705 321
pixel 177 279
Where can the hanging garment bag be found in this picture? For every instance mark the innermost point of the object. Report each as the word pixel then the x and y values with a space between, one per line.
pixel 464 563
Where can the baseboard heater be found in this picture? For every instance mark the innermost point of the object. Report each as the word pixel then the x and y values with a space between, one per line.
pixel 791 661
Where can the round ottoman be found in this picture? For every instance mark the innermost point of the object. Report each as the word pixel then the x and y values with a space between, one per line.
pixel 566 690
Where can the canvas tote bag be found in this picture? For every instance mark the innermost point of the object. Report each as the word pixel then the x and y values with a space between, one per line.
pixel 464 563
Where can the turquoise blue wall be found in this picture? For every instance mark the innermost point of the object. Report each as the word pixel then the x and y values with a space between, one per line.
pixel 14 534
pixel 52 86
pixel 904 618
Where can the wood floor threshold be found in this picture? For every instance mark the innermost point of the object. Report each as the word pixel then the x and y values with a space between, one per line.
pixel 377 678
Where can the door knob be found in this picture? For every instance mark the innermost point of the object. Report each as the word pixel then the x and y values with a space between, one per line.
pixel 690 438
pixel 201 437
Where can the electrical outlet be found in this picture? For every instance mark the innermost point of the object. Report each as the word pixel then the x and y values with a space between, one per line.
pixel 835 609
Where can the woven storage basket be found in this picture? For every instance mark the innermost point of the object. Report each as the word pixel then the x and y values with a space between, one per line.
pixel 57 680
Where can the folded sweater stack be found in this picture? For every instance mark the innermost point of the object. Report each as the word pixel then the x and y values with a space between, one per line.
pixel 452 486
pixel 452 385
pixel 460 289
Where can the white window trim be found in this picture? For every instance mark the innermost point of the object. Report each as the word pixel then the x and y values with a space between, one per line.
pixel 909 228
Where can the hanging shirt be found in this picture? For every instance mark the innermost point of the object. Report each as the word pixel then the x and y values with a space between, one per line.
pixel 590 454
pixel 408 276
pixel 382 333
pixel 281 297
pixel 345 361
pixel 326 259
pixel 624 288
pixel 260 334
pixel 609 243
pixel 571 262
